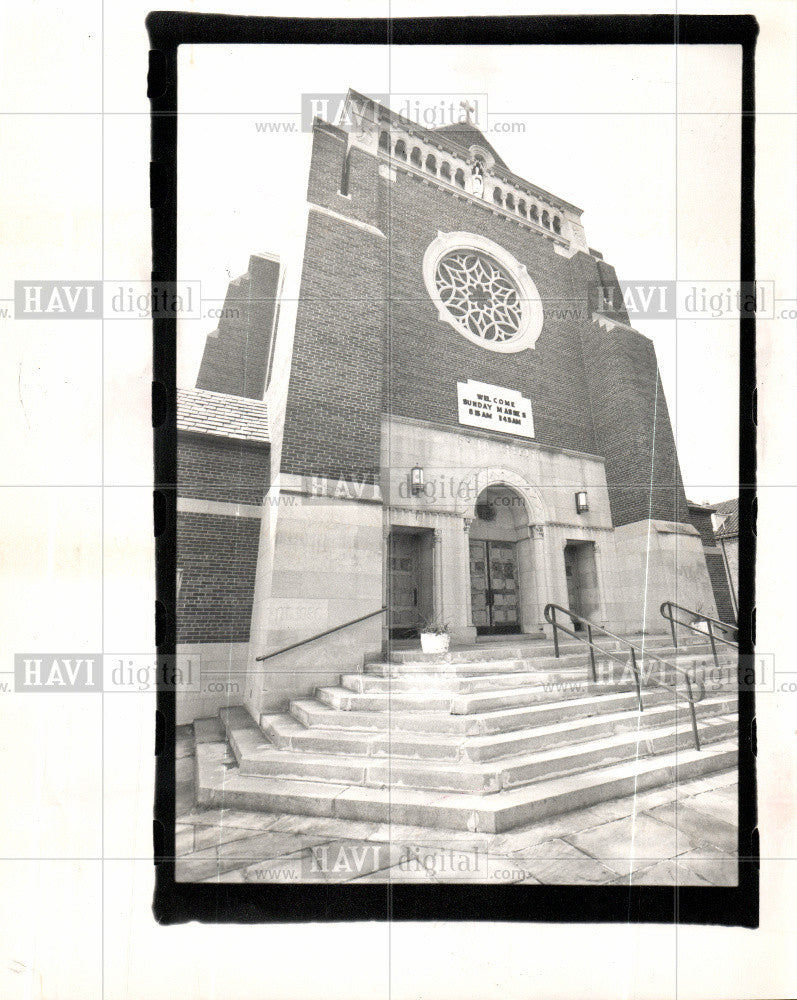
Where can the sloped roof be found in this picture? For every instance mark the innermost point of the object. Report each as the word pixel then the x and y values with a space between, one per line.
pixel 728 510
pixel 222 415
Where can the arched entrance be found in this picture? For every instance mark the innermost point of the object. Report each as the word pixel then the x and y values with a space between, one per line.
pixel 499 561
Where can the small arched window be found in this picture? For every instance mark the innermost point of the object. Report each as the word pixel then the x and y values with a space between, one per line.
pixel 445 171
pixel 384 141
pixel 415 156
pixel 534 214
pixel 557 224
pixel 498 196
pixel 459 177
pixel 521 207
pixel 510 202
pixel 545 220
pixel 400 151
pixel 431 164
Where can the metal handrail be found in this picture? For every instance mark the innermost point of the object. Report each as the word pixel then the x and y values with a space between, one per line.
pixel 550 617
pixel 666 612
pixel 320 635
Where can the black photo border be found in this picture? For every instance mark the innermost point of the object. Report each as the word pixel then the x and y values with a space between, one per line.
pixel 177 902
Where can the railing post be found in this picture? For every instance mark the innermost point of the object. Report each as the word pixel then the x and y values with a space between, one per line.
pixel 692 707
pixel 555 634
pixel 591 654
pixel 672 626
pixel 636 677
pixel 713 643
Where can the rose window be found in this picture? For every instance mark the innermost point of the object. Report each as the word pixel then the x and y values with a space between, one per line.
pixel 479 294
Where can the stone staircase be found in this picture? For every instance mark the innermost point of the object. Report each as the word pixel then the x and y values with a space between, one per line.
pixel 482 739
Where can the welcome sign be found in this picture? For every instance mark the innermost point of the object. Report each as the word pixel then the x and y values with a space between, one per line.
pixel 494 408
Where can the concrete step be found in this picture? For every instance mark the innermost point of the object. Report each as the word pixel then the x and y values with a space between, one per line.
pixel 220 784
pixel 498 693
pixel 492 777
pixel 287 733
pixel 495 667
pixel 528 649
pixel 544 687
pixel 316 714
pixel 576 684
pixel 444 684
pixel 572 732
pixel 345 700
pixel 255 756
pixel 463 679
pixel 528 664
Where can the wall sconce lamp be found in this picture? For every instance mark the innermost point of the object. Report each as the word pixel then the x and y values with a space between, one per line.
pixel 416 481
pixel 582 504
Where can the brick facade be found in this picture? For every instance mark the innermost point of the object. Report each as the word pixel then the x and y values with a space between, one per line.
pixel 426 358
pixel 701 518
pixel 632 426
pixel 719 584
pixel 218 557
pixel 236 355
pixel 217 552
pixel 222 469
pixel 365 320
pixel 333 414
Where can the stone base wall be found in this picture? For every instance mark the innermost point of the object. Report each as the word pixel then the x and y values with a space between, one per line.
pixel 659 561
pixel 320 566
pixel 222 672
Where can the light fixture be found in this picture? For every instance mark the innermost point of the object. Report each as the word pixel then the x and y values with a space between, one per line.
pixel 582 505
pixel 416 481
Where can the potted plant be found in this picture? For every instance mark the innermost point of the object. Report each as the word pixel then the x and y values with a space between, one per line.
pixel 435 637
pixel 698 621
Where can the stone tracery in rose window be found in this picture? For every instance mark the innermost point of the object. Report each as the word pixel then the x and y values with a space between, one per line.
pixel 480 295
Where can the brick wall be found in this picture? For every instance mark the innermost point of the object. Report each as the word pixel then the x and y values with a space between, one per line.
pixel 631 419
pixel 427 357
pixel 218 557
pixel 217 553
pixel 235 359
pixel 333 412
pixel 221 469
pixel 701 519
pixel 330 154
pixel 591 390
pixel 719 584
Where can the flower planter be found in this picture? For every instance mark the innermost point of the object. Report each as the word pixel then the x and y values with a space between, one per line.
pixel 434 642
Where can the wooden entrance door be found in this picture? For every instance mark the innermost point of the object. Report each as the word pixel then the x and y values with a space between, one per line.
pixel 494 587
pixel 403 584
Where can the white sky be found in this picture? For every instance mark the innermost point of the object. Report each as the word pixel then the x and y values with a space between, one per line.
pixel 660 191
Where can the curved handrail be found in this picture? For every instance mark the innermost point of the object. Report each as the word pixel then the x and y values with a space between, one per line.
pixel 320 635
pixel 550 617
pixel 666 610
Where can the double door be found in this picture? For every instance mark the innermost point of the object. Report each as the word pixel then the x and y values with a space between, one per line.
pixel 494 587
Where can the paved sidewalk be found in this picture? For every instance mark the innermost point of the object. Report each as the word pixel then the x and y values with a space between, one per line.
pixel 667 836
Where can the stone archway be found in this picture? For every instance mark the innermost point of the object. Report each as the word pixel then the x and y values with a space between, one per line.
pixel 507 559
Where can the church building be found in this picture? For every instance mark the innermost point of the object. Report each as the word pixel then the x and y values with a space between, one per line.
pixel 439 412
